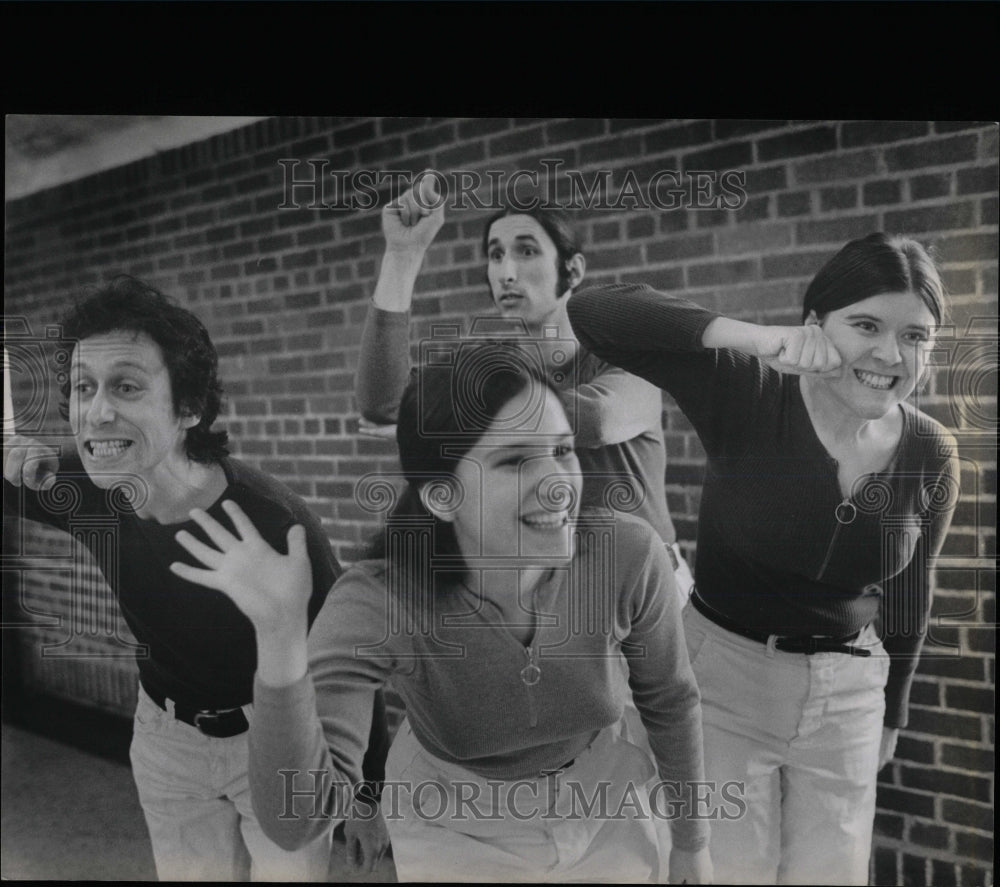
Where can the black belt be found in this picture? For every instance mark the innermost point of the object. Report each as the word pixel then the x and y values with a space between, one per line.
pixel 218 723
pixel 806 644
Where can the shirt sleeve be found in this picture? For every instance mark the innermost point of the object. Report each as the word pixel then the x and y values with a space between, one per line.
pixel 73 494
pixel 384 364
pixel 308 740
pixel 665 692
pixel 723 393
pixel 911 590
pixel 613 407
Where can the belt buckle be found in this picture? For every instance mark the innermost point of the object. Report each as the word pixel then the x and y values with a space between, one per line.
pixel 205 718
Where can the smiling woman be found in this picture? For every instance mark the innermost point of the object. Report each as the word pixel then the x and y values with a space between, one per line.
pixel 503 614
pixel 826 498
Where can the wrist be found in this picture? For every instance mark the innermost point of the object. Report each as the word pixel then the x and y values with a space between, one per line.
pixel 724 332
pixel 397 277
pixel 282 656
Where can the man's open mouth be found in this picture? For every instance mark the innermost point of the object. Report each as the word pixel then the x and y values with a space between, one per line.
pixel 107 449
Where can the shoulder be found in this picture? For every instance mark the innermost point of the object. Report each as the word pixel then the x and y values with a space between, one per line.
pixel 636 545
pixel 367 577
pixel 254 489
pixel 272 506
pixel 928 438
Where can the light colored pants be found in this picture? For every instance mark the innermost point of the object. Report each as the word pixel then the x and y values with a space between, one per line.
pixel 448 824
pixel 195 795
pixel 802 734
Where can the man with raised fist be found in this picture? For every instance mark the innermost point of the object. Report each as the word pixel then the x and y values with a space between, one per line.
pixel 533 263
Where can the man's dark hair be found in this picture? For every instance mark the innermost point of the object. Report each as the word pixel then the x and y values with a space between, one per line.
pixel 556 223
pixel 128 305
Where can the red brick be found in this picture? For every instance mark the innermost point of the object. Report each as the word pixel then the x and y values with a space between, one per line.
pixel 888 825
pixel 967 814
pixel 915 750
pixel 354 135
pixel 978 180
pixel 926 835
pixel 794 264
pixel 903 801
pixel 794 203
pixel 768 178
pixel 886 866
pixel 882 192
pixel 968 758
pixel 939 724
pixel 837 231
pixel 575 129
pixel 976 846
pixel 937 152
pixel 840 166
pixel 481 126
pixel 739 271
pixel 676 248
pixel 614 148
pixel 931 218
pixel 755 209
pixel 967 248
pixel 724 157
pixel 516 142
pixel 660 140
pixel 756 239
pixel 728 129
pixel 431 137
pixel 842 197
pixel 854 135
pixel 943 873
pixel 795 144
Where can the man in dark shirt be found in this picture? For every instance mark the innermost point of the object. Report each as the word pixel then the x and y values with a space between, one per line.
pixel 141 397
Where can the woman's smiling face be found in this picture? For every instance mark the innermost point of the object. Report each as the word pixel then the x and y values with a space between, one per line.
pixel 883 343
pixel 519 487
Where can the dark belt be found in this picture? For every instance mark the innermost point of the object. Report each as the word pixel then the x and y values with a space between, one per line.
pixel 806 644
pixel 218 723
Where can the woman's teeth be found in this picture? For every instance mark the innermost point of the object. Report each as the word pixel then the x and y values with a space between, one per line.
pixel 103 449
pixel 875 380
pixel 546 521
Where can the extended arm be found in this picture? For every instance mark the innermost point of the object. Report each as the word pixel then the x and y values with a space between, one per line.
pixel 297 736
pixel 612 408
pixel 908 595
pixel 409 227
pixel 664 688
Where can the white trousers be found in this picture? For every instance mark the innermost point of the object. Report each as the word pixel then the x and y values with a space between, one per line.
pixel 448 824
pixel 195 795
pixel 800 735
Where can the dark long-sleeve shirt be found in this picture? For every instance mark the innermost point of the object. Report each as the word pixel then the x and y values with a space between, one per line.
pixel 197 647
pixel 780 550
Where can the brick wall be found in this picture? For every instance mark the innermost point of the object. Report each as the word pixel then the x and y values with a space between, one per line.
pixel 283 292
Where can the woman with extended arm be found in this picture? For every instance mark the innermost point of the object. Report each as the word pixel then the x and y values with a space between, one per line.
pixel 826 498
pixel 501 612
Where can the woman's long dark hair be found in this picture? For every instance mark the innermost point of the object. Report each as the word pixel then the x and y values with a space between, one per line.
pixel 447 407
pixel 872 266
